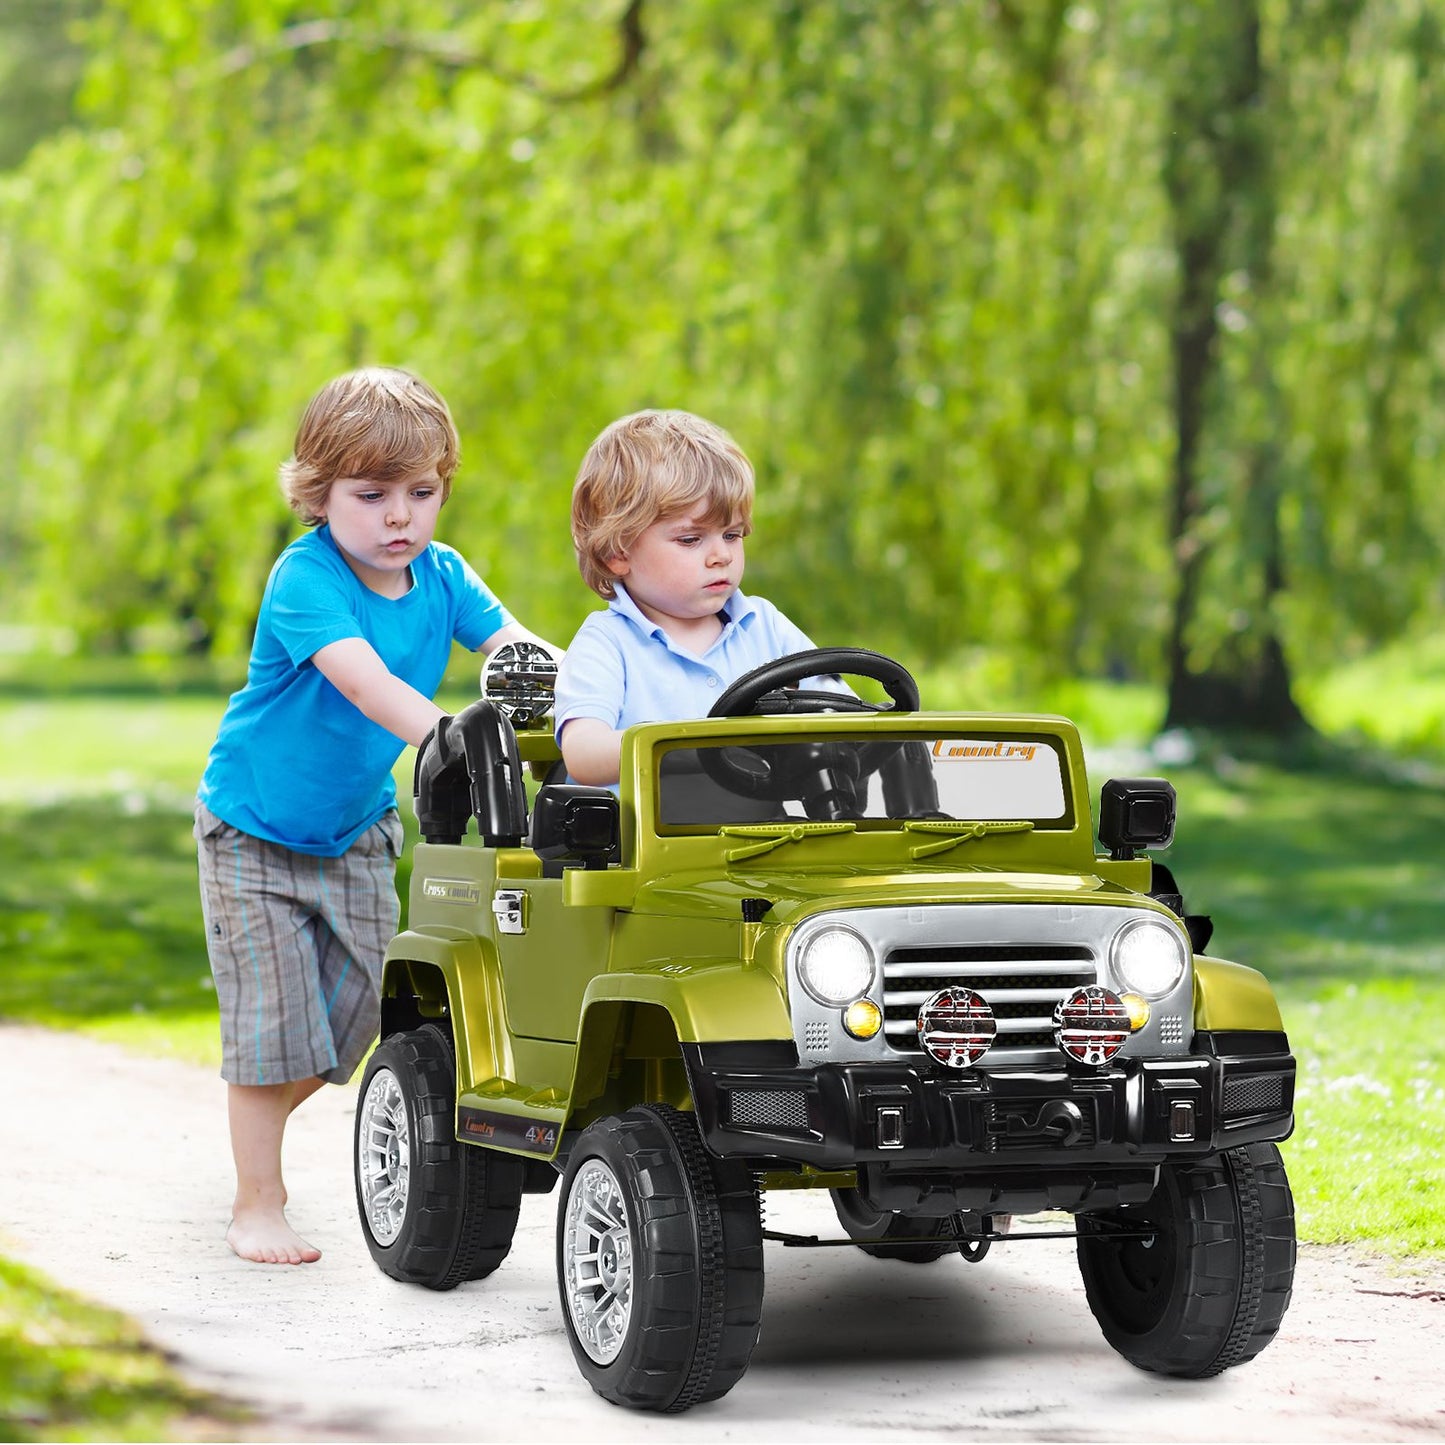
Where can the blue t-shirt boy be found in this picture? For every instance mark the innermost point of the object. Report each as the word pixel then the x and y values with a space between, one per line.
pixel 294 761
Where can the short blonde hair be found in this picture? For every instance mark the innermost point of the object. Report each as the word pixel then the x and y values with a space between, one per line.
pixel 380 423
pixel 647 466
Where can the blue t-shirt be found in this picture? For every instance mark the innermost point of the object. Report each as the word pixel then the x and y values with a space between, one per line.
pixel 622 668
pixel 294 761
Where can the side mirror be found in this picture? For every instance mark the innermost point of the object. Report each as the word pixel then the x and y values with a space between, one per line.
pixel 576 824
pixel 1136 813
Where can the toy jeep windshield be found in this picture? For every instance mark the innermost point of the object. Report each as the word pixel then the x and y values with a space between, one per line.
pixel 815 943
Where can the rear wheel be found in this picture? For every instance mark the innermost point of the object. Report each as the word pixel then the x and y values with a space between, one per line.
pixel 433 1211
pixel 659 1262
pixel 1205 1279
pixel 886 1235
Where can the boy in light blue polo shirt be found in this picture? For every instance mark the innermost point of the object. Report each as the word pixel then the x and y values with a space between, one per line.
pixel 296 824
pixel 662 503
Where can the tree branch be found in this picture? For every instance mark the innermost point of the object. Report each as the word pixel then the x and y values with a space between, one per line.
pixel 443 50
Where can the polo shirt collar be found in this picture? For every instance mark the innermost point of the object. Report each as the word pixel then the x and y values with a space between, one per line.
pixel 739 608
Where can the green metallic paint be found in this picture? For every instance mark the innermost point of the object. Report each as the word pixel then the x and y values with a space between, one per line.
pixel 546 970
pixel 468 971
pixel 586 1009
pixel 795 894
pixel 1231 996
pixel 708 1000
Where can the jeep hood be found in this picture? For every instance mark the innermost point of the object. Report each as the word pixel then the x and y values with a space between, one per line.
pixel 795 894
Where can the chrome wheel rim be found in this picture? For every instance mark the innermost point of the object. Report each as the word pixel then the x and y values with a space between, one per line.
pixel 597 1261
pixel 383 1157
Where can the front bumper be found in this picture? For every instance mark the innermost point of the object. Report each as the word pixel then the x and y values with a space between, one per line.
pixel 754 1101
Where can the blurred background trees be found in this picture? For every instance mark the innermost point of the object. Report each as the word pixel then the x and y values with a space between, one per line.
pixel 1085 339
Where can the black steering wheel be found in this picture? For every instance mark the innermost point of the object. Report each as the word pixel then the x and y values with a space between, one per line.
pixel 743 696
pixel 824 775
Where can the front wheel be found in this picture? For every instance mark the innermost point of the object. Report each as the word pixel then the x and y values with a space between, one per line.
pixel 1198 1279
pixel 433 1211
pixel 659 1262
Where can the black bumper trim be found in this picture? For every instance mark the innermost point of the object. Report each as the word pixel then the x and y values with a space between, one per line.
pixel 904 1115
pixel 1232 1043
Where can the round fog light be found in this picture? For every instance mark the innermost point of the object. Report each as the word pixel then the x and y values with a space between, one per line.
pixel 956 1027
pixel 863 1019
pixel 1091 1025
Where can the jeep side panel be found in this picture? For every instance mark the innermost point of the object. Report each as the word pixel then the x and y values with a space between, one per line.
pixel 1232 996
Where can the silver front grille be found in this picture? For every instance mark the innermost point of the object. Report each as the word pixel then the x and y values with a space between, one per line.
pixel 1021 957
pixel 1022 983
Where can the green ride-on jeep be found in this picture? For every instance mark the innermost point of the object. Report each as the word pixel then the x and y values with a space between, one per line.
pixel 815 943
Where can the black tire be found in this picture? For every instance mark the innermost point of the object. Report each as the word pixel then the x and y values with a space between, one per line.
pixel 1210 1285
pixel 434 1211
pixel 872 1227
pixel 675 1239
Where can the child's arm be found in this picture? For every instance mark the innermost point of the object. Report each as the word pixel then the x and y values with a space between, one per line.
pixel 353 667
pixel 592 751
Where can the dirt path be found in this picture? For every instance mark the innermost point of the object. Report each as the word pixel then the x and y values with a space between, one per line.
pixel 119 1185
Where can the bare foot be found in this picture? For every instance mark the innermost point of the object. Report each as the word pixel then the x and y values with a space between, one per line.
pixel 265 1237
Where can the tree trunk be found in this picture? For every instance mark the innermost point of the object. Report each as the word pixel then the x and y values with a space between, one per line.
pixel 1220 189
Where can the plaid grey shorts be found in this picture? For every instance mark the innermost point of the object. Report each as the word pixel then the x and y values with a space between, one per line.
pixel 296 944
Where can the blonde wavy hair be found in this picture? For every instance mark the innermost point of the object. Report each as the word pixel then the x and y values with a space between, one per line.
pixel 649 466
pixel 380 423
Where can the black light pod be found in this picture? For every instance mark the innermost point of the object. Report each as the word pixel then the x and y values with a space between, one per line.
pixel 574 823
pixel 1136 813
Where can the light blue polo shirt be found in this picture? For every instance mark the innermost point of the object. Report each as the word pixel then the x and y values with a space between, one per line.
pixel 622 668
pixel 295 762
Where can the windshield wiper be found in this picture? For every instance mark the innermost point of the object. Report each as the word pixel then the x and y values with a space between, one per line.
pixel 774 835
pixel 958 832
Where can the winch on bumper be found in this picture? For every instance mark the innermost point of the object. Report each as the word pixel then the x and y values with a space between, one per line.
pixel 754 1101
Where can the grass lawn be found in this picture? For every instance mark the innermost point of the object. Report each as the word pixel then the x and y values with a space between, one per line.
pixel 1330 882
pixel 1325 876
pixel 72 1371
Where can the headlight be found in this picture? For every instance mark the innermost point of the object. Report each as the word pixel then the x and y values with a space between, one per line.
pixel 1148 957
pixel 836 966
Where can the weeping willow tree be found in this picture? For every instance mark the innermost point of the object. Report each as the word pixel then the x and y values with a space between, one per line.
pixel 1046 330
pixel 1304 146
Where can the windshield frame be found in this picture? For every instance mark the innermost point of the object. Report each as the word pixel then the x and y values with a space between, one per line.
pixel 1055 734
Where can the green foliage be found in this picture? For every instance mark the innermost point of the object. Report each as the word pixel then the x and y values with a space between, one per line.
pixel 1320 878
pixel 1392 699
pixel 918 258
pixel 1325 415
pixel 41 60
pixel 72 1371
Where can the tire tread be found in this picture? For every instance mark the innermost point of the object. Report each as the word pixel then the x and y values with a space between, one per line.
pixel 1235 1272
pixel 463 1200
pixel 703 1229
